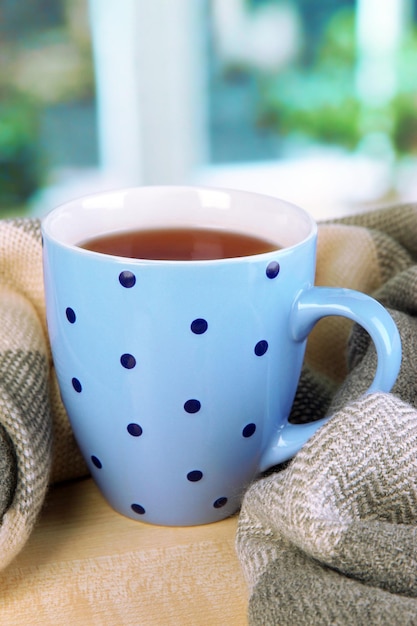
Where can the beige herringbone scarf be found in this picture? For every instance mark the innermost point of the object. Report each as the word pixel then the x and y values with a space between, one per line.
pixel 36 443
pixel 332 537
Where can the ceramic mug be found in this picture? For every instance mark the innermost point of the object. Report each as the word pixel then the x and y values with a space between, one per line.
pixel 178 376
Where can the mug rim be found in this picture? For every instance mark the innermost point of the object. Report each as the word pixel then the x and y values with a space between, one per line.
pixel 60 225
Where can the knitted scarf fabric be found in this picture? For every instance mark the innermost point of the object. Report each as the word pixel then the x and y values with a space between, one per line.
pixel 331 538
pixel 36 442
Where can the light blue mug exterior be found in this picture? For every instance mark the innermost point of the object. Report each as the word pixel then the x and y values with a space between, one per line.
pixel 178 377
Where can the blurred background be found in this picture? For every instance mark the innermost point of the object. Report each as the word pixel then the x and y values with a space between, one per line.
pixel 314 102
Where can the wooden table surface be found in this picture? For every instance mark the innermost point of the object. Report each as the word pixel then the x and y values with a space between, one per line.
pixel 84 564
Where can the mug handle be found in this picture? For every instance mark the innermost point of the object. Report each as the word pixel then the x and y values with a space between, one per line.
pixel 310 306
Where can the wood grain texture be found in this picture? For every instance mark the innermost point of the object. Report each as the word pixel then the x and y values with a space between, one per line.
pixel 87 565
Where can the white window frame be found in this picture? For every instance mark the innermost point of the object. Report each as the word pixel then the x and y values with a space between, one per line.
pixel 151 90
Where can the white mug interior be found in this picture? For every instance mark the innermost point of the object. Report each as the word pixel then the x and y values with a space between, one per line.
pixel 272 219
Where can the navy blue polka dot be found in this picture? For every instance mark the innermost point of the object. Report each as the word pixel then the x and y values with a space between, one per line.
pixel 77 385
pixel 192 406
pixel 135 430
pixel 272 270
pixel 96 462
pixel 199 326
pixel 261 347
pixel 220 502
pixel 138 508
pixel 128 361
pixel 70 313
pixel 195 476
pixel 249 430
pixel 127 279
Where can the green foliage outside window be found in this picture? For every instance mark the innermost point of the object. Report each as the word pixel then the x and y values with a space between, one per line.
pixel 317 99
pixel 21 168
pixel 43 64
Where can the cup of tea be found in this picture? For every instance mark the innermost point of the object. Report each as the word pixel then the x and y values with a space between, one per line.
pixel 178 319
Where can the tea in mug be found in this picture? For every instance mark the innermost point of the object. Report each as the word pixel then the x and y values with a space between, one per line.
pixel 179 244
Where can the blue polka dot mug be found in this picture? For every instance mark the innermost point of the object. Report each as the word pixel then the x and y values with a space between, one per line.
pixel 178 376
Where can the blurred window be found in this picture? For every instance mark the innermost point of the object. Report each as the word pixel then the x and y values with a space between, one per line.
pixel 47 101
pixel 314 101
pixel 323 92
